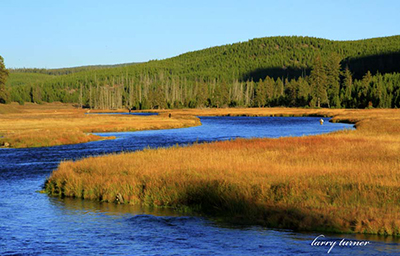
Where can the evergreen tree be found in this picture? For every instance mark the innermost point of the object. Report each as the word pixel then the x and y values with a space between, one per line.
pixel 347 89
pixel 318 80
pixel 291 93
pixel 333 79
pixel 362 90
pixel 225 95
pixel 261 94
pixel 269 90
pixel 202 95
pixel 278 92
pixel 303 93
pixel 4 94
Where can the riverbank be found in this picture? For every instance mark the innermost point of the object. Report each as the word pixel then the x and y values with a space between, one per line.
pixel 34 125
pixel 347 181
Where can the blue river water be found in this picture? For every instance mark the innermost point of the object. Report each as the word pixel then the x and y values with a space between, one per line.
pixel 32 223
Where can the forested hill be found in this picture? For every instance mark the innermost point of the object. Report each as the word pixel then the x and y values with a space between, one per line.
pixel 289 71
pixel 66 71
pixel 289 57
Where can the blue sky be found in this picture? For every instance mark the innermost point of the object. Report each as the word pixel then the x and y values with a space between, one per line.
pixel 52 34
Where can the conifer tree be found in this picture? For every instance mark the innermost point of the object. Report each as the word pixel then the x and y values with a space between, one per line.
pixel 291 93
pixel 269 90
pixel 303 93
pixel 347 89
pixel 4 95
pixel 261 95
pixel 333 79
pixel 363 90
pixel 318 81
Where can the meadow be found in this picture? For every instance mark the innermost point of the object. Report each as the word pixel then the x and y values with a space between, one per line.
pixel 347 181
pixel 34 125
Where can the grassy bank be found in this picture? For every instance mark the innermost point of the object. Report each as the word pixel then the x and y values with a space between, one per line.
pixel 44 125
pixel 346 181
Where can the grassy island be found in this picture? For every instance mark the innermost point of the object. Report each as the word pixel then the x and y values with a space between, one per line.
pixel 35 125
pixel 347 181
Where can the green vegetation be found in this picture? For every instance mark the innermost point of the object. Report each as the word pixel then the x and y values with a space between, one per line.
pixel 4 94
pixel 65 71
pixel 31 79
pixel 275 71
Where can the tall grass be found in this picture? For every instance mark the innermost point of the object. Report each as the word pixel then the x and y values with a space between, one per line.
pixel 49 137
pixel 58 124
pixel 347 181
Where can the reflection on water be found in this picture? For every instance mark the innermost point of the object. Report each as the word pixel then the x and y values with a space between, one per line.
pixel 159 231
pixel 79 206
pixel 33 223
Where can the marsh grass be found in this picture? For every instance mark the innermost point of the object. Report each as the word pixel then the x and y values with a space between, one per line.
pixel 347 181
pixel 44 125
pixel 50 137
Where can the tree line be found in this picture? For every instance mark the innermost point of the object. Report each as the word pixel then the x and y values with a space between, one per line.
pixel 4 93
pixel 66 71
pixel 276 71
pixel 326 86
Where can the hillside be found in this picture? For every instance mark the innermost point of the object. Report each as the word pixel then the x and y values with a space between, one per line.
pixel 27 78
pixel 230 75
pixel 66 71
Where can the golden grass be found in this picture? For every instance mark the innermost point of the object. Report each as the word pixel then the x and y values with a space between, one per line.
pixel 347 181
pixel 35 125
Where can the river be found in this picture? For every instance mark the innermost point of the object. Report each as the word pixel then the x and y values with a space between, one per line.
pixel 32 223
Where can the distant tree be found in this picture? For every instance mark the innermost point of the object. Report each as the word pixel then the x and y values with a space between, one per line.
pixel 4 95
pixel 395 78
pixel 382 91
pixel 303 93
pixel 224 93
pixel 291 90
pixel 362 90
pixel 280 87
pixel 318 81
pixel 347 88
pixel 158 99
pixel 261 94
pixel 269 89
pixel 333 79
pixel 36 95
pixel 202 94
pixel 249 93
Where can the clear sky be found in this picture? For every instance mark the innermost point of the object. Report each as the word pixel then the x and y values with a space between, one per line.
pixel 58 33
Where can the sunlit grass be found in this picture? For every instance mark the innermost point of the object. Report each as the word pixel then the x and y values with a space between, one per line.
pixel 58 124
pixel 347 181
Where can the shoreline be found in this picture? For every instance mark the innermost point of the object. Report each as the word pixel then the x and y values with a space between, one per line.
pixel 61 124
pixel 46 136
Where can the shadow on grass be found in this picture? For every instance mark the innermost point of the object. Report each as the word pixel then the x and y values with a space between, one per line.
pixel 226 204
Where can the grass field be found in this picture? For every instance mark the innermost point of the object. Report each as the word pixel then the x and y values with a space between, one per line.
pixel 347 181
pixel 53 124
